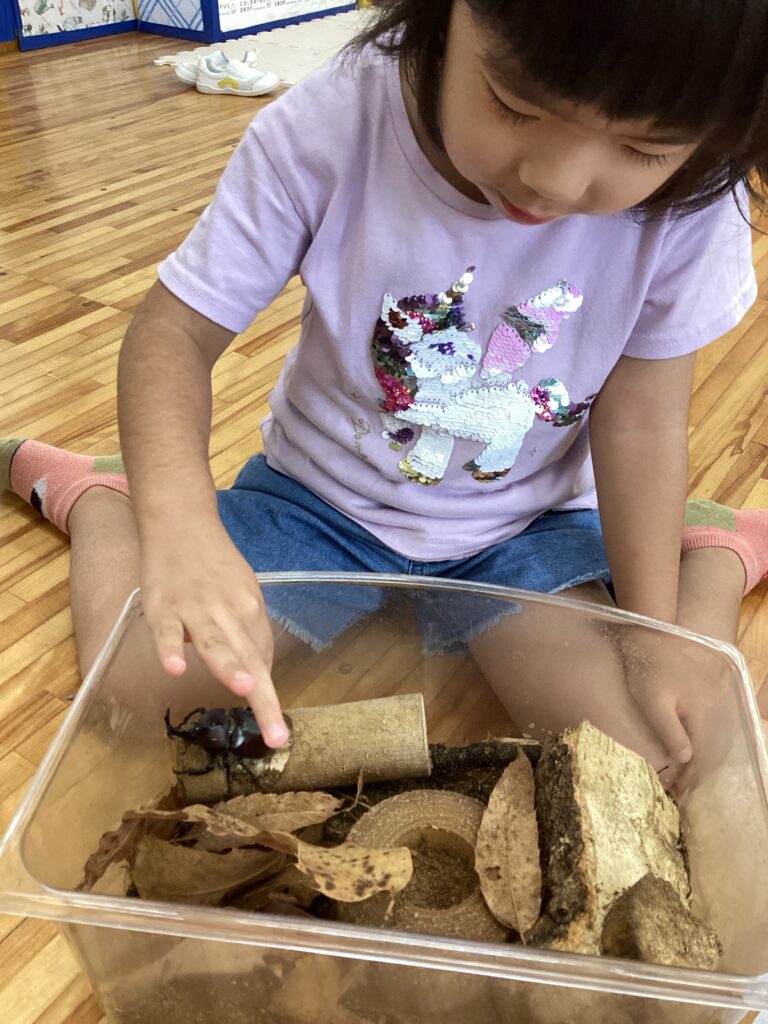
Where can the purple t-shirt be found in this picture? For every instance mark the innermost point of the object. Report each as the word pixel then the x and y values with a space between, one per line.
pixel 442 410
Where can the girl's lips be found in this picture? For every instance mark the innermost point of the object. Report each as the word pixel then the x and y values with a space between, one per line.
pixel 521 216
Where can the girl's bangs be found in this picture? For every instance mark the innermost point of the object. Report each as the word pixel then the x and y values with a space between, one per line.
pixel 683 64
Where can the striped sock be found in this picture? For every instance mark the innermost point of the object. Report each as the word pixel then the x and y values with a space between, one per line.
pixel 745 531
pixel 52 479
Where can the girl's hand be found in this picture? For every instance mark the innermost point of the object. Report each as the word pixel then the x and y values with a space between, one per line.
pixel 685 699
pixel 196 585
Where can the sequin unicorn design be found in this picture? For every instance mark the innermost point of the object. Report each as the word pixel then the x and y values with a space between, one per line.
pixel 434 377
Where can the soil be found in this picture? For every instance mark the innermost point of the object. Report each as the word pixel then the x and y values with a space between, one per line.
pixel 440 878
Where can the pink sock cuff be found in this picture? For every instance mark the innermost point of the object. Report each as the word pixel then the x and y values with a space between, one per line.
pixel 115 482
pixel 695 538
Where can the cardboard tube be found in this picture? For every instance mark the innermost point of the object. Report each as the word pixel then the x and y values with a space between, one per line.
pixel 329 746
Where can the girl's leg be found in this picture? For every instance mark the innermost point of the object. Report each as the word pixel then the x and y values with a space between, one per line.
pixel 104 566
pixel 552 669
pixel 87 498
pixel 725 556
pixel 712 582
pixel 104 571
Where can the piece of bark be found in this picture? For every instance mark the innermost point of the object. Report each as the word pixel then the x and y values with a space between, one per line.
pixel 385 738
pixel 604 822
pixel 448 761
pixel 649 922
pixel 507 850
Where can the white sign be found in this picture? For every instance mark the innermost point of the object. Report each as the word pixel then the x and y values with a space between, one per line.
pixel 240 14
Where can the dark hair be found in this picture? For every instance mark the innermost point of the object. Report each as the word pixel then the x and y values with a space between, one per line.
pixel 698 66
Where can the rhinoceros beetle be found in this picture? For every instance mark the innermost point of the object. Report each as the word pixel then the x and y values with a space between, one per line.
pixel 228 736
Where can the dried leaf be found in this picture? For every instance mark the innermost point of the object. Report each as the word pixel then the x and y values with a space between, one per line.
pixel 240 821
pixel 164 871
pixel 281 812
pixel 290 883
pixel 353 873
pixel 346 873
pixel 507 850
pixel 122 843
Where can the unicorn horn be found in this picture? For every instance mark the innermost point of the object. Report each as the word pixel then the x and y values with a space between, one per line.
pixel 458 289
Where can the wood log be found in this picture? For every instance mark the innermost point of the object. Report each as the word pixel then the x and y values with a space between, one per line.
pixel 447 762
pixel 604 822
pixel 443 897
pixel 649 922
pixel 329 746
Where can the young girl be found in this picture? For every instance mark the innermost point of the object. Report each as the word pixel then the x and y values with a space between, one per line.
pixel 516 222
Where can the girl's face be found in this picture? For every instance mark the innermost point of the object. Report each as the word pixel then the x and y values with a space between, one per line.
pixel 535 159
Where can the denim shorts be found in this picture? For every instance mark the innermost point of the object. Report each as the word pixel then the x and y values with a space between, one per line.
pixel 280 526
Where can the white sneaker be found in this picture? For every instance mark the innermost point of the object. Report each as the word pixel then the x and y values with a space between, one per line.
pixel 186 71
pixel 241 78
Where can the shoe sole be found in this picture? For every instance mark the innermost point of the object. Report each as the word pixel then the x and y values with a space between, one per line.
pixel 216 91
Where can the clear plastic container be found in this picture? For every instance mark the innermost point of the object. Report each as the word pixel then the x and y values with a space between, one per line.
pixel 162 963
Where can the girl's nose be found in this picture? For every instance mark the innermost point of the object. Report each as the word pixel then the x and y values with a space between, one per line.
pixel 562 178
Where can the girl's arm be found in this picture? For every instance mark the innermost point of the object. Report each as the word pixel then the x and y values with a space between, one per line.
pixel 194 580
pixel 639 440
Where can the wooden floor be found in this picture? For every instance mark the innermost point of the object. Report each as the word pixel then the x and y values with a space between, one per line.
pixel 106 162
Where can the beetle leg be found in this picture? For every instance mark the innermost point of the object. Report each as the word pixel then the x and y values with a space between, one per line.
pixel 222 761
pixel 178 730
pixel 194 771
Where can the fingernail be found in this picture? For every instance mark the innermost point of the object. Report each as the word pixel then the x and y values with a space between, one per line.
pixel 276 735
pixel 175 664
pixel 684 756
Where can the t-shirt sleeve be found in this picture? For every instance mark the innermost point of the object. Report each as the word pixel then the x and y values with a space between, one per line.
pixel 247 244
pixel 703 283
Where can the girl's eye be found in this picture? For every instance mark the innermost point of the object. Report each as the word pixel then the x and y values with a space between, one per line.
pixel 508 112
pixel 648 159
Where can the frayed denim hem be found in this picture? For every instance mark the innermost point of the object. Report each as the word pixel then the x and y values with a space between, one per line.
pixel 316 644
pixel 458 645
pixel 588 577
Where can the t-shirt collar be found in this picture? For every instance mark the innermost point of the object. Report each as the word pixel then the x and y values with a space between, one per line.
pixel 418 160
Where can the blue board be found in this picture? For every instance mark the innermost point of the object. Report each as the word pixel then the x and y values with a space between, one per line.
pixel 199 19
pixel 7 24
pixel 39 23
